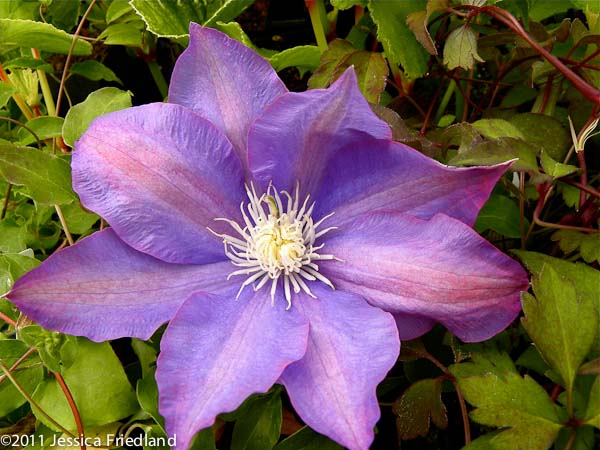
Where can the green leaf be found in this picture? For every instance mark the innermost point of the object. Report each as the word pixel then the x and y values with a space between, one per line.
pixel 371 69
pixel 500 214
pixel 25 62
pixel 347 4
pixel 460 49
pixel 542 9
pixel 584 279
pixel 63 13
pixel 497 128
pixel 260 426
pixel 117 9
pixel 78 220
pixel 43 36
pixel 10 351
pixel 419 404
pixel 129 34
pixel 12 266
pixel 13 237
pixel 304 56
pixel 545 132
pixel 593 410
pixel 549 319
pixel 99 102
pixel 307 439
pixel 99 387
pixel 400 44
pixel 554 168
pixel 418 20
pixel 228 11
pixel 167 18
pixel 518 405
pixel 587 244
pixel 46 177
pixel 6 92
pixel 45 127
pixel 93 70
pixel 498 151
pixel 591 367
pixel 18 9
pixel 57 351
pixel 234 30
pixel 147 394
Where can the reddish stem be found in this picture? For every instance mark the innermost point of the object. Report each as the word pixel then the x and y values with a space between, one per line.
pixel 73 407
pixel 8 320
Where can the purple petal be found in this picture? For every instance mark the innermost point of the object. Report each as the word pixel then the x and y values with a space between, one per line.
pixel 438 269
pixel 103 289
pixel 160 175
pixel 217 351
pixel 225 82
pixel 411 326
pixel 297 134
pixel 351 347
pixel 371 175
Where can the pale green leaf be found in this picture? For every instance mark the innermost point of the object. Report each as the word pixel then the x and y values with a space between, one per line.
pixel 593 410
pixel 549 319
pixel 45 127
pixel 43 36
pixel 519 406
pixel 497 128
pixel 12 266
pixel 400 44
pixel 10 351
pixel 460 49
pixel 99 102
pixel 93 70
pixel 588 245
pixel 99 387
pixel 46 177
pixel 554 168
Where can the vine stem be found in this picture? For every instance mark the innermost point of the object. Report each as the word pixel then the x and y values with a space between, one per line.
pixel 588 91
pixel 73 406
pixel 63 78
pixel 63 224
pixel 32 402
pixel 461 400
pixel 316 10
pixel 7 319
pixel 46 92
pixel 6 200
pixel 18 362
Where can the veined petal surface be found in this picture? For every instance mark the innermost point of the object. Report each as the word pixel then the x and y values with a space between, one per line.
pixel 369 175
pixel 438 269
pixel 160 174
pixel 217 351
pixel 225 82
pixel 103 289
pixel 297 134
pixel 351 347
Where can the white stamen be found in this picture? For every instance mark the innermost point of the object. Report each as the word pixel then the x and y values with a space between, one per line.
pixel 277 242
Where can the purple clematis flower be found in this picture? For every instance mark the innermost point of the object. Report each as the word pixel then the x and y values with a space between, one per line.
pixel 281 289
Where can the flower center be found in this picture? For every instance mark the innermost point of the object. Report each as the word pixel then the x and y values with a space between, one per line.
pixel 277 242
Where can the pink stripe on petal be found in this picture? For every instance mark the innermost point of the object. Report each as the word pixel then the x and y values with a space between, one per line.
pixel 225 82
pixel 297 135
pixel 438 269
pixel 160 174
pixel 351 347
pixel 218 351
pixel 103 289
